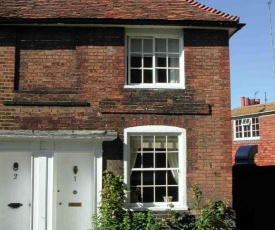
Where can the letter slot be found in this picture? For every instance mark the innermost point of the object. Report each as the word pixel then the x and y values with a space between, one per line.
pixel 15 205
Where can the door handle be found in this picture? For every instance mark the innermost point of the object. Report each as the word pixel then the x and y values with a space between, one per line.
pixel 15 205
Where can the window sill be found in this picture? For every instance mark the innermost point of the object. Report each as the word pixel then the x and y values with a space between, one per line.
pixel 144 86
pixel 247 139
pixel 163 207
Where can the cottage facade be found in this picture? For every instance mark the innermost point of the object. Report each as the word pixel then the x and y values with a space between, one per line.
pixel 140 89
pixel 251 126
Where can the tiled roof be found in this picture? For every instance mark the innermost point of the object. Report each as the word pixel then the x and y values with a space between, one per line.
pixel 254 109
pixel 111 9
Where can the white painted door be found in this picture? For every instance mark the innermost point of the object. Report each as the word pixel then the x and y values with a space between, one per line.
pixel 15 190
pixel 74 186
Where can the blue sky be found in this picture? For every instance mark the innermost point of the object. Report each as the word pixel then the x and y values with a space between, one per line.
pixel 251 62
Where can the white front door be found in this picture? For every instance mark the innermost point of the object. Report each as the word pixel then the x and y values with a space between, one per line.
pixel 73 191
pixel 15 191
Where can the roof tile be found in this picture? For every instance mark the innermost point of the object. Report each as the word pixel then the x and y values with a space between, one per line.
pixel 253 109
pixel 112 9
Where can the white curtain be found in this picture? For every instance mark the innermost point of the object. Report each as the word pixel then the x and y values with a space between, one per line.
pixel 174 163
pixel 135 143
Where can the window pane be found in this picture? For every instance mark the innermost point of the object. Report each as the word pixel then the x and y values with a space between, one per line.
pixel 148 194
pixel 148 76
pixel 161 61
pixel 136 61
pixel 148 160
pixel 135 178
pixel 137 162
pixel 173 61
pixel 172 177
pixel 160 178
pixel 173 161
pixel 148 178
pixel 136 45
pixel 135 194
pixel 148 45
pixel 160 45
pixel 174 192
pixel 136 76
pixel 135 157
pixel 148 62
pixel 148 142
pixel 161 76
pixel 160 160
pixel 161 142
pixel 160 193
pixel 173 45
pixel 173 75
pixel 172 143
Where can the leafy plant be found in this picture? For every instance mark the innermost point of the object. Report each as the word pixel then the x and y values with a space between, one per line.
pixel 111 212
pixel 215 216
pixel 180 221
pixel 113 216
pixel 197 197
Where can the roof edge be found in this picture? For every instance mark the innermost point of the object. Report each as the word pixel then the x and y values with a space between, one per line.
pixel 254 114
pixel 214 11
pixel 12 21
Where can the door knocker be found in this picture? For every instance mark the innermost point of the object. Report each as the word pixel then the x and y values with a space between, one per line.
pixel 15 166
pixel 75 169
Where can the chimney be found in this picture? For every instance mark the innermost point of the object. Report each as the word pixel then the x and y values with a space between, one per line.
pixel 252 101
pixel 257 101
pixel 242 101
pixel 247 101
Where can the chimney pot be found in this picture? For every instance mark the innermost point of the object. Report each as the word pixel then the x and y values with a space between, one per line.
pixel 242 101
pixel 258 101
pixel 247 101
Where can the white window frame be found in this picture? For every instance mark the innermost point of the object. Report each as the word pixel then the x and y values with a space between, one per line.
pixel 181 204
pixel 244 122
pixel 155 33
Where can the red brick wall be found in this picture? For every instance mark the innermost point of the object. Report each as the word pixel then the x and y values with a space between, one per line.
pixel 266 144
pixel 89 67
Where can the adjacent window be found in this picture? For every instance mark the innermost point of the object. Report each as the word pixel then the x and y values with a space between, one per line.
pixel 156 166
pixel 154 61
pixel 247 128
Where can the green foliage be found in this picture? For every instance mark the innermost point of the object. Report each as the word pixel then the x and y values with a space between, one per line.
pixel 111 212
pixel 146 221
pixel 180 221
pixel 196 197
pixel 113 216
pixel 215 216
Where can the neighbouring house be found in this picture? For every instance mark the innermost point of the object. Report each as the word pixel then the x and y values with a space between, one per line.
pixel 138 88
pixel 252 126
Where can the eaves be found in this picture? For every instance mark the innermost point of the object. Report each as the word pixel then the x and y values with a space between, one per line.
pixel 232 26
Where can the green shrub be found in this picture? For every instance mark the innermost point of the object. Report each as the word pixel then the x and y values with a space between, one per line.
pixel 113 216
pixel 216 216
pixel 111 212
